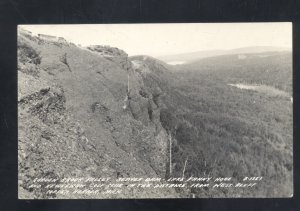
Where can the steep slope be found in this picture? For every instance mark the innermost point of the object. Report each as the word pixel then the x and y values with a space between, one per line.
pixel 74 121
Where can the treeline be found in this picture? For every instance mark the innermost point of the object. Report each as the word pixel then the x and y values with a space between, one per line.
pixel 273 69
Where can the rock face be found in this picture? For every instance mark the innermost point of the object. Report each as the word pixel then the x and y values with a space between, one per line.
pixel 72 119
pixel 113 54
pixel 107 50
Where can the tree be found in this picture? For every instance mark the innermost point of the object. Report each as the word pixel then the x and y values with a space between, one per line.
pixel 183 171
pixel 170 152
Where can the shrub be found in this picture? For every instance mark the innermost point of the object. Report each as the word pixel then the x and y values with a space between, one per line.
pixel 28 54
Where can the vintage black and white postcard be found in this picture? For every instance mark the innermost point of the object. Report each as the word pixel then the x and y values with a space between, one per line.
pixel 200 110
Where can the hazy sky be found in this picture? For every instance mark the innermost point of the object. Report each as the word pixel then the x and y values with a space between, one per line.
pixel 166 39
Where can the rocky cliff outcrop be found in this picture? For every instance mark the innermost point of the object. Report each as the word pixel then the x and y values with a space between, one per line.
pixel 72 119
pixel 115 55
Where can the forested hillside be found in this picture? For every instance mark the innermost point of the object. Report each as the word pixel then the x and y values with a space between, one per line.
pixel 220 130
pixel 269 68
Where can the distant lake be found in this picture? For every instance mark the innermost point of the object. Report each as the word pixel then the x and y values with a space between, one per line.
pixel 263 89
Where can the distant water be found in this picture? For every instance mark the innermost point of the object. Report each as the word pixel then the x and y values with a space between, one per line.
pixel 263 89
pixel 176 62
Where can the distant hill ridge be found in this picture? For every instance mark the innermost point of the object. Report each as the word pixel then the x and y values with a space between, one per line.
pixel 190 57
